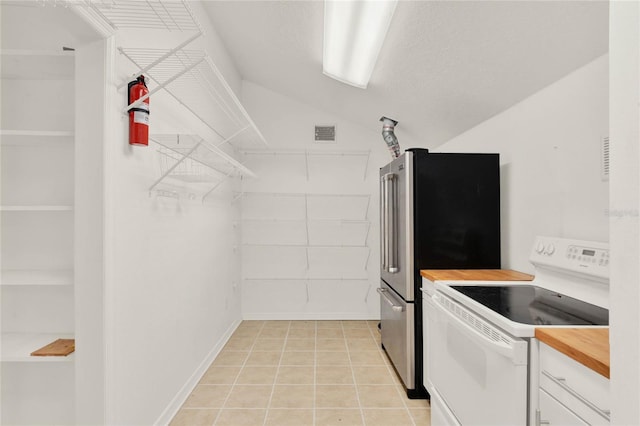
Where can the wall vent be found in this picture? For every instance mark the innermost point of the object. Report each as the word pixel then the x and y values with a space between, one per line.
pixel 325 134
pixel 605 158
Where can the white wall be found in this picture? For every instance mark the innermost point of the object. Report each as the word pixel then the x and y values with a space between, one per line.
pixel 624 48
pixel 289 125
pixel 171 269
pixel 549 146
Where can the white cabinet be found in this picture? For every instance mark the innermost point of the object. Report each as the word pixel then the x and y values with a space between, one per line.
pixel 570 393
pixel 38 210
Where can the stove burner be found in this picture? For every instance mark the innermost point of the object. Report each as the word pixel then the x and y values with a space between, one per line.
pixel 535 305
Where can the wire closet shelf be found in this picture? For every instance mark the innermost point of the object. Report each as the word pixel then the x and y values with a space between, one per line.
pixel 169 15
pixel 190 77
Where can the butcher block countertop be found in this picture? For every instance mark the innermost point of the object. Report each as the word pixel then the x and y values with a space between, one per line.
pixel 474 274
pixel 588 346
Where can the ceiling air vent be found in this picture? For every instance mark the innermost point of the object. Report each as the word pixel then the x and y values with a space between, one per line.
pixel 605 158
pixel 325 134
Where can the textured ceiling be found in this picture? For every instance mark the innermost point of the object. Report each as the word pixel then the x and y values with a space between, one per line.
pixel 445 65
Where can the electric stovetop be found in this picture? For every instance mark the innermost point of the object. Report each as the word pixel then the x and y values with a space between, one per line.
pixel 534 305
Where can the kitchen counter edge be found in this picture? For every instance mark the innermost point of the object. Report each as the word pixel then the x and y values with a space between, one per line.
pixel 588 346
pixel 474 274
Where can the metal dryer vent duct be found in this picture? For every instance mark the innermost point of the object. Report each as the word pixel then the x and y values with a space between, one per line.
pixel 388 126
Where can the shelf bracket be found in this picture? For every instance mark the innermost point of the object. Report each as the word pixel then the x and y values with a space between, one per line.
pixel 366 262
pixel 366 212
pixel 307 250
pixel 306 220
pixel 366 236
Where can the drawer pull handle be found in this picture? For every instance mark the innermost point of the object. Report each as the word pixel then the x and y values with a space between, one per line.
pixel 394 307
pixel 560 381
pixel 539 420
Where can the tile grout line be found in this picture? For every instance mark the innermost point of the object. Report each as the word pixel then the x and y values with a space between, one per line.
pixel 315 371
pixel 239 372
pixel 273 385
pixel 353 375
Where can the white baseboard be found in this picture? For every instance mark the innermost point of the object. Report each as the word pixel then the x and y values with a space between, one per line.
pixel 187 388
pixel 301 316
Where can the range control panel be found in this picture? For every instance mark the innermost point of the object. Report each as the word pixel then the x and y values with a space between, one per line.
pixel 587 255
pixel 584 257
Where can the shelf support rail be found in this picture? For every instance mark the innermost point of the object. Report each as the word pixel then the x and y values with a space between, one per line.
pixel 172 168
pixel 366 262
pixel 306 163
pixel 306 219
pixel 157 61
pixel 366 236
pixel 366 212
pixel 366 164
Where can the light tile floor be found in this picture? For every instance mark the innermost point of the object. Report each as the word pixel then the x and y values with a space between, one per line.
pixel 302 373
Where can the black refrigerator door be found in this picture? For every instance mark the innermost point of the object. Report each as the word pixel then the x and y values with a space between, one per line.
pixel 457 211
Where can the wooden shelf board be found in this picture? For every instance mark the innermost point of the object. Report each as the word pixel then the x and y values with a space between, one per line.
pixel 17 347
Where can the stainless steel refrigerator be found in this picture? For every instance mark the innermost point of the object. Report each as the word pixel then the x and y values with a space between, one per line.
pixel 437 211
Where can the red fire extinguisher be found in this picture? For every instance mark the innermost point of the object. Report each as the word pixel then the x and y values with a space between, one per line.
pixel 139 115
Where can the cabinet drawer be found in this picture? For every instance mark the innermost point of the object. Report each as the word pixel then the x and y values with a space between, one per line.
pixel 580 389
pixel 553 412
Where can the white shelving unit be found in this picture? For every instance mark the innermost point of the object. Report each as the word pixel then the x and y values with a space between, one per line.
pixel 315 233
pixel 190 158
pixel 179 68
pixel 304 245
pixel 36 277
pixel 193 83
pixel 37 209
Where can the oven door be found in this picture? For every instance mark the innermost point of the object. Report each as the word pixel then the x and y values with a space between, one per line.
pixel 397 325
pixel 480 372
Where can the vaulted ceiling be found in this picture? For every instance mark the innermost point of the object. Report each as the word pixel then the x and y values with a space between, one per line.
pixel 445 67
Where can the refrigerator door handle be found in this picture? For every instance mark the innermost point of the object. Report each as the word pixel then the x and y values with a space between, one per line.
pixel 392 212
pixel 383 223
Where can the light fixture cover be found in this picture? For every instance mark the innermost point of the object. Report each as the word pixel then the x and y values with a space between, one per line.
pixel 353 35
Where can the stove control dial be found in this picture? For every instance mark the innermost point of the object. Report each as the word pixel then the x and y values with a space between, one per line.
pixel 551 249
pixel 540 248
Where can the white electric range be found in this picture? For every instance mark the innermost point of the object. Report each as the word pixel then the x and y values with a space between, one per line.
pixel 480 331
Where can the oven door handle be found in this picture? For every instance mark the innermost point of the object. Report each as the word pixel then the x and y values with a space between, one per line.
pixel 515 350
pixel 383 294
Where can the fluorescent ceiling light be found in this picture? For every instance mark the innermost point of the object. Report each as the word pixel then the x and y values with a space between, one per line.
pixel 353 35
